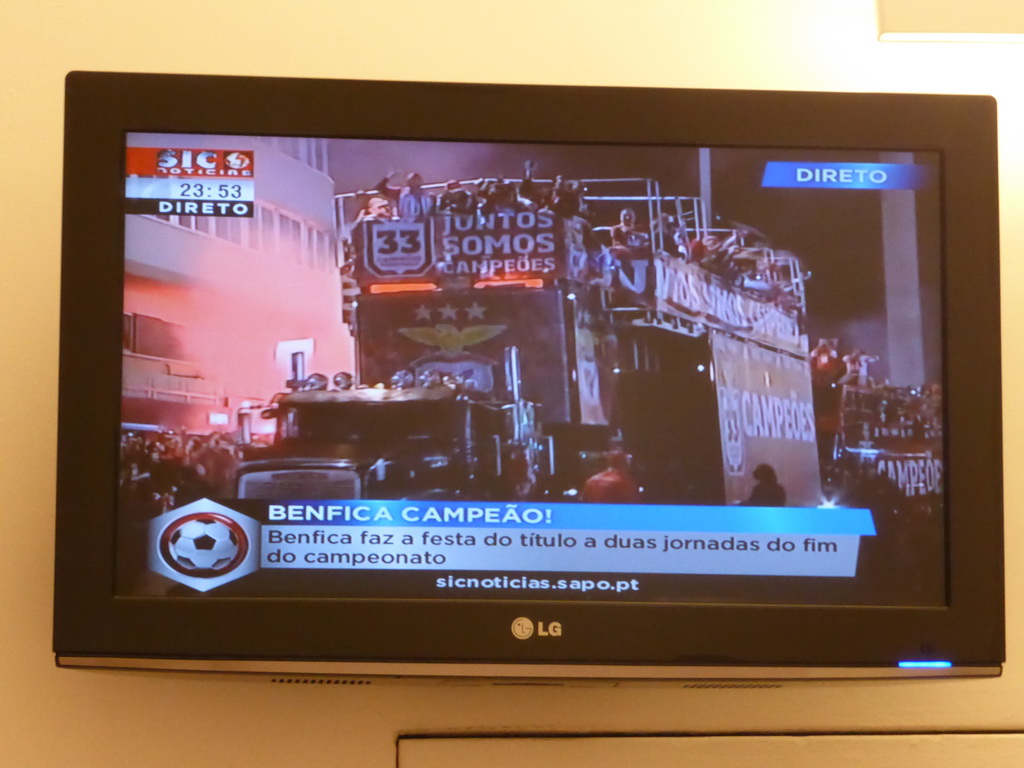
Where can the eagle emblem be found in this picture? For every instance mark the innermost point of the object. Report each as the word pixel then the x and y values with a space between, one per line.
pixel 450 339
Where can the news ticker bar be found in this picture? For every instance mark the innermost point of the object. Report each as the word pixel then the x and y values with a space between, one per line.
pixel 568 551
pixel 208 542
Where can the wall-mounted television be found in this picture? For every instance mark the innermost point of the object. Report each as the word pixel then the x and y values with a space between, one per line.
pixel 450 380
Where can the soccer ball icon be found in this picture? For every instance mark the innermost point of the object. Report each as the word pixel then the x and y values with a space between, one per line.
pixel 204 544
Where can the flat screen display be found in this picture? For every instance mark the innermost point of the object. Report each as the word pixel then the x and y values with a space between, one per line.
pixel 604 373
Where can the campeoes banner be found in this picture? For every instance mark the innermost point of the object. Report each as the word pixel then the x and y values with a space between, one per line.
pixel 766 415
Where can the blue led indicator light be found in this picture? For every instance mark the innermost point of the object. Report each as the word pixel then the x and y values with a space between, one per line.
pixel 925 664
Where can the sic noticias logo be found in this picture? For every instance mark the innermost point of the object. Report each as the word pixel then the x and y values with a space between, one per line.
pixel 189 163
pixel 203 545
pixel 523 628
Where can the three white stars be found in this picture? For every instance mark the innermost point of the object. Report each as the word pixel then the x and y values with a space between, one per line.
pixel 448 312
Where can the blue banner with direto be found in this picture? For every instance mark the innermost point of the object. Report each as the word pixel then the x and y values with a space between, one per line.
pixel 846 175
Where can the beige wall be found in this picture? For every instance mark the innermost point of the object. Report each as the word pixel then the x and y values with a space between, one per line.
pixel 52 717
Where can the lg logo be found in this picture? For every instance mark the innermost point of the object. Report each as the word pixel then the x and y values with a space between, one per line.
pixel 523 628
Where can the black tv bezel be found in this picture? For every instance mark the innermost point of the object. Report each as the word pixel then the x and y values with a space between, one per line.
pixel 91 621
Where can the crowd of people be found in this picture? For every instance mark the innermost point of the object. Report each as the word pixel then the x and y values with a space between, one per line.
pixel 847 396
pixel 828 368
pixel 740 257
pixel 162 471
pixel 904 413
pixel 414 202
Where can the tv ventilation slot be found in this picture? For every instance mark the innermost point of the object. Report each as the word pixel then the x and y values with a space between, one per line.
pixel 317 681
pixel 732 685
